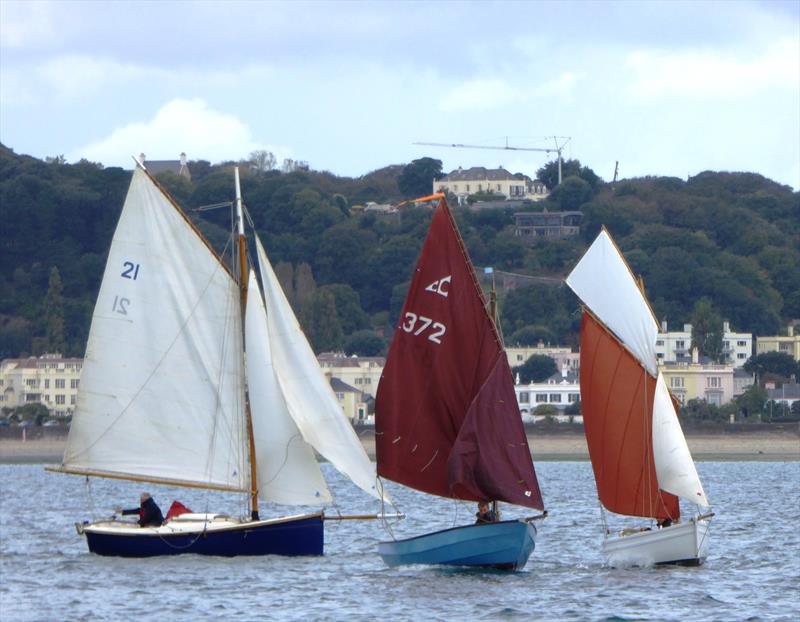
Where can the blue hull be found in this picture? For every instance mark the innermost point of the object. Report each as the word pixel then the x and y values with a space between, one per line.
pixel 296 537
pixel 506 545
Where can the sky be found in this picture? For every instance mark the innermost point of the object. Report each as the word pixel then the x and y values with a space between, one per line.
pixel 663 88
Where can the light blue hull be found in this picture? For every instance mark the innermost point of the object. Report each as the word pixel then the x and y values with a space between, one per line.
pixel 506 545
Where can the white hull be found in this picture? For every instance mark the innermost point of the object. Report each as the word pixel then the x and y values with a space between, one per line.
pixel 682 543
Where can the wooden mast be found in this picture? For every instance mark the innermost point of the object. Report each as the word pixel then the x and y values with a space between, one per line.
pixel 243 288
pixel 493 314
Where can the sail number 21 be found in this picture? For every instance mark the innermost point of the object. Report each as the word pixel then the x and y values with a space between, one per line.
pixel 418 324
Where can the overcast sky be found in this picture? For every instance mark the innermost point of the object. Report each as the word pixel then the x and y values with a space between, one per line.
pixel 665 88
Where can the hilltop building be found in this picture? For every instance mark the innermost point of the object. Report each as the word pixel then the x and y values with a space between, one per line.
pixel 464 182
pixel 49 379
pixel 178 167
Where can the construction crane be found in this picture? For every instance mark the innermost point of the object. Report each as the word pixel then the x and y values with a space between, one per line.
pixel 558 148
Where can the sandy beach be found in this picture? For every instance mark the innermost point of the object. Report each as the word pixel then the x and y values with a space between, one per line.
pixel 778 445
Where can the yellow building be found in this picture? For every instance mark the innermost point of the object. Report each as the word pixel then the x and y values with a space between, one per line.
pixel 789 344
pixel 361 372
pixel 50 380
pixel 564 357
pixel 464 182
pixel 352 401
pixel 694 380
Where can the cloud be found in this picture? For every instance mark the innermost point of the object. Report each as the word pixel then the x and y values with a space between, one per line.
pixel 710 74
pixel 180 125
pixel 26 25
pixel 479 94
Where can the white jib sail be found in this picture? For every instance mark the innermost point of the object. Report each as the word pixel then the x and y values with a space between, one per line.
pixel 308 394
pixel 288 472
pixel 161 392
pixel 675 468
pixel 603 281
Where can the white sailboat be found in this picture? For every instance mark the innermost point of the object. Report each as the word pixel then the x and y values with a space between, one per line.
pixel 193 378
pixel 641 462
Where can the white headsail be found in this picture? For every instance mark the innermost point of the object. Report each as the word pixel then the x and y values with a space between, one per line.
pixel 288 471
pixel 161 387
pixel 308 395
pixel 603 281
pixel 675 468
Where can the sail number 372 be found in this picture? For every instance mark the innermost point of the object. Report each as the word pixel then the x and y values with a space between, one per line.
pixel 419 324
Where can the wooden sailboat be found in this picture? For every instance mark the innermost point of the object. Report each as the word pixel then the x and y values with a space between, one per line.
pixel 192 378
pixel 641 462
pixel 446 417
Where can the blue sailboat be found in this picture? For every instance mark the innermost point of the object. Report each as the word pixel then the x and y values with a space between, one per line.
pixel 197 374
pixel 446 414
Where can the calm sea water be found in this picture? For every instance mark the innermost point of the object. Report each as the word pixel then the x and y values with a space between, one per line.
pixel 753 572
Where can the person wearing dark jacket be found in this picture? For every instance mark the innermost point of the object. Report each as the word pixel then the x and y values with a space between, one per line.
pixel 484 514
pixel 148 511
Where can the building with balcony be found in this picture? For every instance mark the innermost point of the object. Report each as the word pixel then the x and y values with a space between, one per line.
pixel 499 181
pixel 531 226
pixel 788 344
pixel 50 380
pixel 676 346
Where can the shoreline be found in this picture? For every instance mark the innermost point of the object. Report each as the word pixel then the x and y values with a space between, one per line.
pixel 777 446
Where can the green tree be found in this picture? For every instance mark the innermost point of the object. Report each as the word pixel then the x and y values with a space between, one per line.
pixel 778 364
pixel 304 283
pixel 321 322
pixel 549 173
pixel 536 369
pixel 364 343
pixel 751 403
pixel 531 335
pixel 571 194
pixel 348 307
pixel 417 178
pixel 707 330
pixel 54 313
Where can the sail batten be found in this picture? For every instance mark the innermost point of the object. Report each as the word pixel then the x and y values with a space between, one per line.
pixel 447 420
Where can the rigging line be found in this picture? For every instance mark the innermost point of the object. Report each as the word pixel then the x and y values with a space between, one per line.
pixel 158 364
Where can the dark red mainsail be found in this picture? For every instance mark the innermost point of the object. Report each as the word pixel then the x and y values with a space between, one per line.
pixel 446 415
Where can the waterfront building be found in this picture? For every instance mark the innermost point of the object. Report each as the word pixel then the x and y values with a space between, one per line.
pixel 353 402
pixel 699 380
pixel 50 379
pixel 676 346
pixel 559 390
pixel 361 372
pixel 788 344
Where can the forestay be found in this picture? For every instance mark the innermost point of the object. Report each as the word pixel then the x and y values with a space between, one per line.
pixel 161 387
pixel 307 393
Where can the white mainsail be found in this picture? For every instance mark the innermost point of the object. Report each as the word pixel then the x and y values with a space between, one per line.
pixel 161 387
pixel 309 397
pixel 288 471
pixel 675 468
pixel 603 281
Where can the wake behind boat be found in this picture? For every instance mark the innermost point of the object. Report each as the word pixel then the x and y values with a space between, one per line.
pixel 639 455
pixel 446 416
pixel 193 378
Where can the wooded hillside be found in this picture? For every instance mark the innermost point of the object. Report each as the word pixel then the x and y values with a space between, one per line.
pixel 731 238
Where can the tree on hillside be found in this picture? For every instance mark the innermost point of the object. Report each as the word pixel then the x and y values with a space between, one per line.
pixel 54 313
pixel 707 330
pixel 417 178
pixel 537 368
pixel 571 193
pixel 549 173
pixel 262 160
pixel 321 322
pixel 364 343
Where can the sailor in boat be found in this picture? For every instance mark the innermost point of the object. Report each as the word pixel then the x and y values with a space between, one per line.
pixel 148 511
pixel 485 514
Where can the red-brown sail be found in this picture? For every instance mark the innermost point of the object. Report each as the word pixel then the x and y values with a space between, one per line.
pixel 447 420
pixel 617 405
